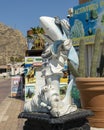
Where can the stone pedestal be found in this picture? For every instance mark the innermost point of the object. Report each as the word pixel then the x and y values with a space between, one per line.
pixel 41 121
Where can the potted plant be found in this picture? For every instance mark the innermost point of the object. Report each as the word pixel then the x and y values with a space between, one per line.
pixel 91 85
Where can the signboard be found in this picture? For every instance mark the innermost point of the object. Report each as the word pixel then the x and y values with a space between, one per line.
pixel 31 66
pixel 16 86
pixel 86 19
pixel 31 63
pixel 29 91
pixel 64 84
pixel 34 60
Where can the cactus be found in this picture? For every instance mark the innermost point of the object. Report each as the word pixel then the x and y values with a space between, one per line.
pixel 82 65
pixel 101 65
pixel 81 72
pixel 73 71
pixel 95 57
pixel 103 60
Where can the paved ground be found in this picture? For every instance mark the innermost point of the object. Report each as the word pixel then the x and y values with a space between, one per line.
pixel 97 128
pixel 5 88
pixel 9 108
pixel 9 111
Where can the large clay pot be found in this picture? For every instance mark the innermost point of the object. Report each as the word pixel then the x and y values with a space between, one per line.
pixel 92 97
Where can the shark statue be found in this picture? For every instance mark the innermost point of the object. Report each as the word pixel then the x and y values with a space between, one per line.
pixel 57 50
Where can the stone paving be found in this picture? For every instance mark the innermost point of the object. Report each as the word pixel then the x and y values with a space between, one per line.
pixel 97 128
pixel 9 111
pixel 10 108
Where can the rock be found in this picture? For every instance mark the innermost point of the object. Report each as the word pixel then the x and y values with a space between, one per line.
pixel 12 44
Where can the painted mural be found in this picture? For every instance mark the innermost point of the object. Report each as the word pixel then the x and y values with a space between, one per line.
pixel 86 18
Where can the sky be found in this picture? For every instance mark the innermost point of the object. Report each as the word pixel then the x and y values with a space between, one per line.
pixel 24 14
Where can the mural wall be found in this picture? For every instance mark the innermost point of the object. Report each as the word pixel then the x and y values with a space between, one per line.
pixel 86 18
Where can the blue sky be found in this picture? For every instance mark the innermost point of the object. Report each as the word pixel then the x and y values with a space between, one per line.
pixel 24 14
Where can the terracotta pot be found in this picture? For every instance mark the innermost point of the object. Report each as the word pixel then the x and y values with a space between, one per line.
pixel 92 97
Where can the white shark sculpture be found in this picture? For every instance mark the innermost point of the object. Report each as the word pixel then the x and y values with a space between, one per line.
pixel 52 29
pixel 56 54
pixel 57 29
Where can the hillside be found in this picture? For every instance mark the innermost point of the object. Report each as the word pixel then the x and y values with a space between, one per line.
pixel 12 44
